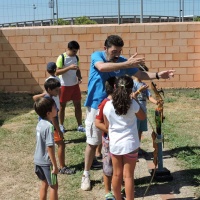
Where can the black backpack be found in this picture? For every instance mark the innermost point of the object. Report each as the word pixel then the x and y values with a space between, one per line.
pixel 63 59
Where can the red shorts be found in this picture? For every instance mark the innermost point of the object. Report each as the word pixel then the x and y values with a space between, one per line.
pixel 68 93
pixel 57 137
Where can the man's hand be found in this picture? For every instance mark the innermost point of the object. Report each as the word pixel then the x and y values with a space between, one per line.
pixel 133 61
pixel 166 74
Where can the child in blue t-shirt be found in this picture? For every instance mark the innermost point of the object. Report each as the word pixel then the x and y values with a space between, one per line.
pixel 141 93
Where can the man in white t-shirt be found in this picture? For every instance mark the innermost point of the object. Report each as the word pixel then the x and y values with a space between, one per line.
pixel 70 77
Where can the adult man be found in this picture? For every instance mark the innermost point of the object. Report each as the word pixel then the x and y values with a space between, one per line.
pixel 105 64
pixel 67 68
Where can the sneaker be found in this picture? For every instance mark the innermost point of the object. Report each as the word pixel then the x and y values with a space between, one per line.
pixel 81 129
pixel 109 196
pixel 96 164
pixel 99 157
pixel 85 183
pixel 67 170
pixel 62 128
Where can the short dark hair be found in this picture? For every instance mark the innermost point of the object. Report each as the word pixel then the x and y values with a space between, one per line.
pixel 51 67
pixel 109 85
pixel 73 45
pixel 43 105
pixel 114 40
pixel 51 84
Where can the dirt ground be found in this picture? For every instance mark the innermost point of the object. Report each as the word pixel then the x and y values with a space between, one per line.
pixel 179 188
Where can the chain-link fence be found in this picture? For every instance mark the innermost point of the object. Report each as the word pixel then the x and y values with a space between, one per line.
pixel 102 11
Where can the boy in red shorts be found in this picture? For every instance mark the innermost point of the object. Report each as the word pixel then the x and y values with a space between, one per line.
pixel 70 77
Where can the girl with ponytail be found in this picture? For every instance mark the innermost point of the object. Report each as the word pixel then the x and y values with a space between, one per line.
pixel 120 119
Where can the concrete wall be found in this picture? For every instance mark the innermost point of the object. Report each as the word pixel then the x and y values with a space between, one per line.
pixel 24 52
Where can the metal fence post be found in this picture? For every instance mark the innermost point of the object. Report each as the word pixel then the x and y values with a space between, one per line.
pixel 141 11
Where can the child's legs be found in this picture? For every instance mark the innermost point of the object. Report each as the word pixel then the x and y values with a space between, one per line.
pixel 98 150
pixel 62 112
pixel 54 192
pixel 107 164
pixel 129 161
pixel 61 153
pixel 107 183
pixel 43 190
pixel 117 161
pixel 78 111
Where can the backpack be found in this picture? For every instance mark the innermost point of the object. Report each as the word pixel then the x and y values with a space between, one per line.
pixel 63 59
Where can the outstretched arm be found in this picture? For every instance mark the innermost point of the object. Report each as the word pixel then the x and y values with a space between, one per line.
pixel 152 75
pixel 132 62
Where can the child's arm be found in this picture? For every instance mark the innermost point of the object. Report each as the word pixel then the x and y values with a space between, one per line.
pixel 57 127
pixel 106 122
pixel 141 115
pixel 100 124
pixel 142 88
pixel 78 74
pixel 60 71
pixel 151 99
pixel 51 153
pixel 37 96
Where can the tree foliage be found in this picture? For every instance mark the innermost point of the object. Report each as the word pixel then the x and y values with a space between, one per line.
pixel 197 19
pixel 62 22
pixel 84 20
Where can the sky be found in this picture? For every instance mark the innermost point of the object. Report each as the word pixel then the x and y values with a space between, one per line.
pixel 23 10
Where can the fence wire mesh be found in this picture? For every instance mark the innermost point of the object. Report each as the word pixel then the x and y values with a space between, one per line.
pixel 12 11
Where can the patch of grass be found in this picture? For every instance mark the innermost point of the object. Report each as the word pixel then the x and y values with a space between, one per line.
pixel 17 142
pixel 181 129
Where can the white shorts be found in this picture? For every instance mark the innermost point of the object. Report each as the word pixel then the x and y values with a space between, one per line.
pixel 93 134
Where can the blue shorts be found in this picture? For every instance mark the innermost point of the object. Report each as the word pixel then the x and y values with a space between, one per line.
pixel 142 125
pixel 44 174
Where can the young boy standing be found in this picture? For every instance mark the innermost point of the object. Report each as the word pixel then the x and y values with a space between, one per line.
pixel 52 87
pixel 44 157
pixel 70 76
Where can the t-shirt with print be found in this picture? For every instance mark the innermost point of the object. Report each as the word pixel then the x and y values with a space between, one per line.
pixel 44 139
pixel 99 115
pixel 123 133
pixel 96 83
pixel 56 99
pixel 142 97
pixel 69 78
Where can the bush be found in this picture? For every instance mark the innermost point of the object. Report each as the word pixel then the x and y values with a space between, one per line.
pixel 84 20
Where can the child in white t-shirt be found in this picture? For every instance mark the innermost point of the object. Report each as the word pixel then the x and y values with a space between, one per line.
pixel 120 117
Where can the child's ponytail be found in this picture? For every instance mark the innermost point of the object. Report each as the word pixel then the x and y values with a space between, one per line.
pixel 121 95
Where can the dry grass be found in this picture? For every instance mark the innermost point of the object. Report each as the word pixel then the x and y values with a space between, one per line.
pixel 17 144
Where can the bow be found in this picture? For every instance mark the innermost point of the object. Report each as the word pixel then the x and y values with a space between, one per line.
pixel 159 120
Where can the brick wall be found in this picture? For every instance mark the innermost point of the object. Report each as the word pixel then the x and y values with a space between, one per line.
pixel 24 52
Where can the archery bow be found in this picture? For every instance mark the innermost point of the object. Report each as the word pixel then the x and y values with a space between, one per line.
pixel 158 119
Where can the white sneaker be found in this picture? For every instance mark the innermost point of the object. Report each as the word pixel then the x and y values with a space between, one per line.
pixel 62 128
pixel 85 183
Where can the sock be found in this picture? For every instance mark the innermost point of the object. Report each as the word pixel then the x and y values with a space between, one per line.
pixel 86 173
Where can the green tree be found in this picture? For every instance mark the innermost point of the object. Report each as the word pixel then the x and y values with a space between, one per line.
pixel 84 20
pixel 197 19
pixel 62 22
